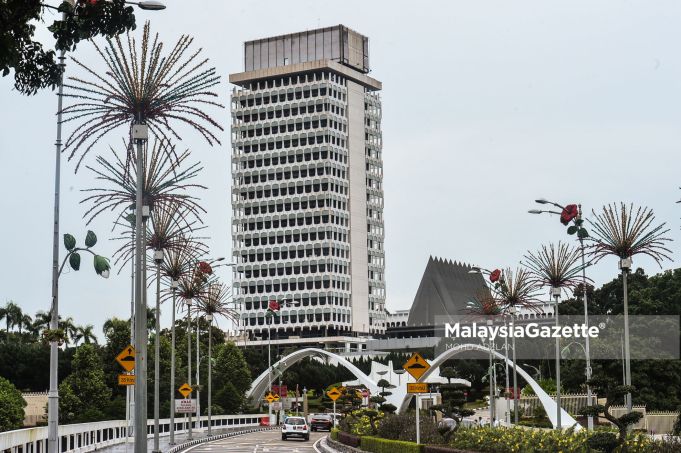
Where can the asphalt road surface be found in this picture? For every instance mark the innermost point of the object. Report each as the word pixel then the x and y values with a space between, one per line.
pixel 260 442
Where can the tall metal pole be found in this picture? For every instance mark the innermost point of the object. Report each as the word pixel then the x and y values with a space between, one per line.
pixel 210 374
pixel 198 381
pixel 173 285
pixel 158 258
pixel 418 422
pixel 269 368
pixel 508 400
pixel 627 352
pixel 140 135
pixel 516 401
pixel 556 295
pixel 491 391
pixel 53 395
pixel 130 390
pixel 189 361
pixel 590 419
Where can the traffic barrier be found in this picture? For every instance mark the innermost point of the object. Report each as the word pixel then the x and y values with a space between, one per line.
pixel 85 437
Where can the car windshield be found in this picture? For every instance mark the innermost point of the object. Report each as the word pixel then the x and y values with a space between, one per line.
pixel 321 417
pixel 295 421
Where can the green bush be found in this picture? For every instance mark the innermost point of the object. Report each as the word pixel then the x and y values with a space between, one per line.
pixel 11 406
pixel 334 434
pixel 378 445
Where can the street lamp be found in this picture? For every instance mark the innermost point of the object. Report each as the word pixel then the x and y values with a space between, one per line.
pixel 53 395
pixel 271 315
pixel 590 420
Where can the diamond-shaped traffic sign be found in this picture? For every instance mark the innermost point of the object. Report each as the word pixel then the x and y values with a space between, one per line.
pixel 269 398
pixel 416 366
pixel 334 394
pixel 127 358
pixel 185 390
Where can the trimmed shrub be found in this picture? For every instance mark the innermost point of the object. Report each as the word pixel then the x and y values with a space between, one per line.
pixel 434 449
pixel 378 445
pixel 348 439
pixel 334 434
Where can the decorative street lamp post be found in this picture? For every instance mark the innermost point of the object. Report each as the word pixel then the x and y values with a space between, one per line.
pixel 572 213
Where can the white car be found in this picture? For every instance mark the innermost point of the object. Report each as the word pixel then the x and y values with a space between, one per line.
pixel 295 427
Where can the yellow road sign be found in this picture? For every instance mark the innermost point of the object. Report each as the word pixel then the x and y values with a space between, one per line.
pixel 275 397
pixel 185 390
pixel 126 379
pixel 334 394
pixel 269 398
pixel 127 358
pixel 417 387
pixel 416 366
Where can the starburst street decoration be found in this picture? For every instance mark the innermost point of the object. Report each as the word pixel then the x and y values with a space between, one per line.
pixel 142 86
pixel 556 266
pixel 626 231
pixel 216 301
pixel 167 179
pixel 516 289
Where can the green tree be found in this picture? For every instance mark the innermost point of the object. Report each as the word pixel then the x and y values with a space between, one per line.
pixel 11 406
pixel 36 68
pixel 86 395
pixel 231 377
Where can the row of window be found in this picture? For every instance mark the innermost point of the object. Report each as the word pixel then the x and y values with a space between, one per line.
pixel 325 219
pixel 300 93
pixel 292 319
pixel 294 286
pixel 308 77
pixel 302 302
pixel 293 174
pixel 295 190
pixel 289 111
pixel 293 158
pixel 294 254
pixel 293 127
pixel 296 237
pixel 294 206
pixel 295 143
pixel 303 269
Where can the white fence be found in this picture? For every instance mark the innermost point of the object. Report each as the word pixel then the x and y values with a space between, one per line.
pixel 85 437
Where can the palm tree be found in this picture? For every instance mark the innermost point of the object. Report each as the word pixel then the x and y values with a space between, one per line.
pixel 25 321
pixel 41 321
pixel 12 314
pixel 624 232
pixel 85 333
pixel 69 328
pixel 216 302
pixel 559 267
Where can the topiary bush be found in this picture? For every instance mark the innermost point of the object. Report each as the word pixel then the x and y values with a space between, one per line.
pixel 378 445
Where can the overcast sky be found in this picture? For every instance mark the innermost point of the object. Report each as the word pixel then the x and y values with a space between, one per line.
pixel 487 105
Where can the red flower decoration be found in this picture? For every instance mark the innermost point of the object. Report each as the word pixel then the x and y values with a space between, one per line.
pixel 495 275
pixel 205 268
pixel 569 213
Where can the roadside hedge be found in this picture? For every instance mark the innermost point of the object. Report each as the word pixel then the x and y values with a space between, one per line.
pixel 348 439
pixel 378 445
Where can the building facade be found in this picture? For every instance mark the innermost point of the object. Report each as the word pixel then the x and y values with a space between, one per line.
pixel 307 194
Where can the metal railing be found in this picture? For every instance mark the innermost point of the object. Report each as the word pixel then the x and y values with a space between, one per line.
pixel 85 437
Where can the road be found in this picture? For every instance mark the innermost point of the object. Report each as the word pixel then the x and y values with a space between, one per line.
pixel 260 442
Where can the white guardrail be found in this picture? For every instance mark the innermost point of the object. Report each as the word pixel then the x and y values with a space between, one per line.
pixel 84 437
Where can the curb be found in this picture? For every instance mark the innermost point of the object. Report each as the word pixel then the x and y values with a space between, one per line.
pixel 184 446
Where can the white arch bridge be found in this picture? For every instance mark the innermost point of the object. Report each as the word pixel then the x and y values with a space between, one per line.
pixel 399 396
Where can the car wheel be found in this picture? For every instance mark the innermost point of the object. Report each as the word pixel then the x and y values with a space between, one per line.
pixel 283 437
pixel 307 437
pixel 314 429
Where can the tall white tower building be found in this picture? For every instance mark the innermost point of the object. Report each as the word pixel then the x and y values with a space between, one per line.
pixel 307 188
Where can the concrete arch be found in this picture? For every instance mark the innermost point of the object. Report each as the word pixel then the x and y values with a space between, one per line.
pixel 549 404
pixel 260 385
